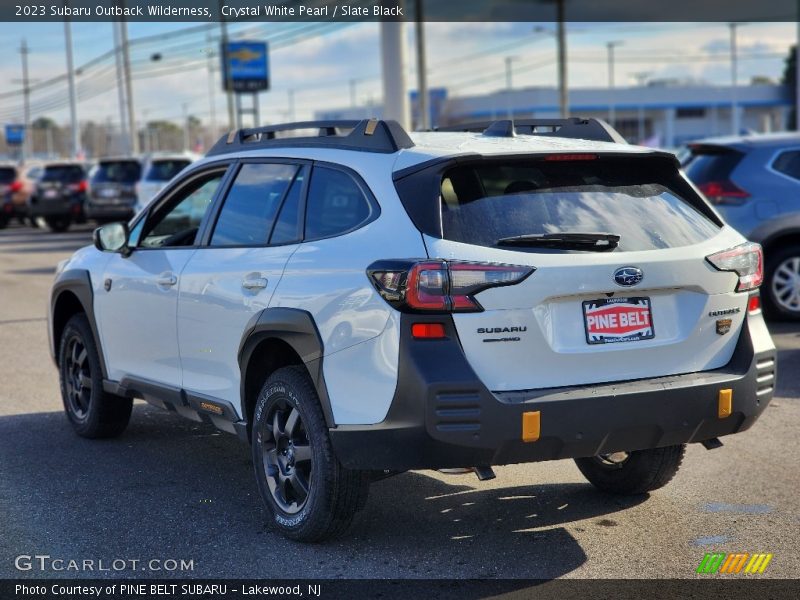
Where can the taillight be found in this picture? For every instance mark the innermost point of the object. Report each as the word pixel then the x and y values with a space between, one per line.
pixel 16 186
pixel 746 260
pixel 439 285
pixel 78 187
pixel 724 192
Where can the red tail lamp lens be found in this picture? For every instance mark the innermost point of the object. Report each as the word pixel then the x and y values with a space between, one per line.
pixel 428 331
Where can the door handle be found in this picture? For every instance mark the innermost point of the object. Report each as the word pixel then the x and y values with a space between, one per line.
pixel 167 280
pixel 254 283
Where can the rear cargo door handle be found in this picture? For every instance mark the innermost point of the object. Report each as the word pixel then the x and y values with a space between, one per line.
pixel 254 283
pixel 167 279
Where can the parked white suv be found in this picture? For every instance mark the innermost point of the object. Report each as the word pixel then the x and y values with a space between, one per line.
pixel 362 301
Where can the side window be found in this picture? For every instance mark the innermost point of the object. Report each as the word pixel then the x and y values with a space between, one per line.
pixel 288 227
pixel 336 204
pixel 177 222
pixel 251 205
pixel 788 163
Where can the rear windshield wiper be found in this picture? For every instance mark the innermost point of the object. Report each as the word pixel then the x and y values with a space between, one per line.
pixel 597 242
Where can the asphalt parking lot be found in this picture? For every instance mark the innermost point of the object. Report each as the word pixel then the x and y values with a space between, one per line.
pixel 172 489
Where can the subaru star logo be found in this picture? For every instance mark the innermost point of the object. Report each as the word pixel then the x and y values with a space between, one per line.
pixel 628 276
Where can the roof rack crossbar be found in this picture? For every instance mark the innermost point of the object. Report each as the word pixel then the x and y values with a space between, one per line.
pixel 573 127
pixel 366 135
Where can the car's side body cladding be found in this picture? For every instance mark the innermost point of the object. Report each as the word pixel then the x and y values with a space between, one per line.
pixel 296 328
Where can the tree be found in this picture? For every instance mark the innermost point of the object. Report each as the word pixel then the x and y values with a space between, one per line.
pixel 789 79
pixel 44 123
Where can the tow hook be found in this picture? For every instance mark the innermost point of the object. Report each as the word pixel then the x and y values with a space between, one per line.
pixel 711 444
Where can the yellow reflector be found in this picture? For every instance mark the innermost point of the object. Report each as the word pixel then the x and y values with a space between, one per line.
pixel 725 403
pixel 531 424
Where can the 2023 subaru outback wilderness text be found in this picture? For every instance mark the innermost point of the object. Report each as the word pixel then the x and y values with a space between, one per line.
pixel 362 301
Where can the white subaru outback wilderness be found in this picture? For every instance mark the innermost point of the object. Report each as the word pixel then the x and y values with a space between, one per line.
pixel 356 301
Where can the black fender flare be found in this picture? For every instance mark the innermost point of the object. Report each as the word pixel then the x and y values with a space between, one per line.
pixel 297 328
pixel 79 282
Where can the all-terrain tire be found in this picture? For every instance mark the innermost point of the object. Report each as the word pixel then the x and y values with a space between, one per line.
pixel 92 412
pixel 300 457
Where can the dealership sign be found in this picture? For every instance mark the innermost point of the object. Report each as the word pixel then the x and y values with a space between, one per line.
pixel 245 66
pixel 15 134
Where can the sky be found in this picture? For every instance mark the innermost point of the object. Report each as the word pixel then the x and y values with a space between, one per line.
pixel 317 62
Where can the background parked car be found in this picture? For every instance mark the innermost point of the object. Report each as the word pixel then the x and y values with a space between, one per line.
pixel 16 187
pixel 157 170
pixel 112 189
pixel 59 195
pixel 754 181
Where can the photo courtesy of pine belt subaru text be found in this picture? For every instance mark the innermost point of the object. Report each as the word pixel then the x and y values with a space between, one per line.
pixel 355 301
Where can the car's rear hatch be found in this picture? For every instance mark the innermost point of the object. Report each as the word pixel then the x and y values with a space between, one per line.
pixel 58 181
pixel 590 312
pixel 113 182
pixel 160 171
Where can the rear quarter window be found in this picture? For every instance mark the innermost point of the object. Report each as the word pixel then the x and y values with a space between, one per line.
pixel 336 204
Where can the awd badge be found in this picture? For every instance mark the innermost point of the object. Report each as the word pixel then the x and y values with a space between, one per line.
pixel 723 326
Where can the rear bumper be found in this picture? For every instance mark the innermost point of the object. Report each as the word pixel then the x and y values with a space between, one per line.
pixel 65 206
pixel 443 416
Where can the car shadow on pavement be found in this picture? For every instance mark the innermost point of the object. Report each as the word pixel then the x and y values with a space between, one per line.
pixel 173 488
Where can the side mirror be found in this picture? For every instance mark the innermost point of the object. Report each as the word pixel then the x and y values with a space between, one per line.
pixel 112 237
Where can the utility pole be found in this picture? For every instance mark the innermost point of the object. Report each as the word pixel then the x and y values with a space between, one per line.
pixel 75 138
pixel 797 72
pixel 422 75
pixel 353 83
pixel 186 134
pixel 509 61
pixel 120 87
pixel 126 64
pixel 641 78
pixel 26 95
pixel 735 122
pixel 563 94
pixel 223 25
pixel 612 117
pixel 146 133
pixel 393 55
pixel 212 92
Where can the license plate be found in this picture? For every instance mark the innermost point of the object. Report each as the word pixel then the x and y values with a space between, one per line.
pixel 51 194
pixel 612 320
pixel 108 193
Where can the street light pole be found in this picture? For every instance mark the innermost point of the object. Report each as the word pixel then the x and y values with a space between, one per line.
pixel 26 95
pixel 120 86
pixel 563 95
pixel 212 92
pixel 735 124
pixel 422 75
pixel 75 148
pixel 126 65
pixel 612 117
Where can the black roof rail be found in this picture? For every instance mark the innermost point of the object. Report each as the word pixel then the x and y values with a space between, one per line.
pixel 573 127
pixel 367 135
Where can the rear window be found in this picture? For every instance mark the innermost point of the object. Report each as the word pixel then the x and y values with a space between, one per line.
pixel 164 170
pixel 711 163
pixel 484 203
pixel 7 174
pixel 65 173
pixel 122 171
